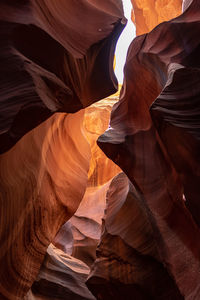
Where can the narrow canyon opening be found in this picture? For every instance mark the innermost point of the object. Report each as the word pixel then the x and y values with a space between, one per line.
pixel 99 182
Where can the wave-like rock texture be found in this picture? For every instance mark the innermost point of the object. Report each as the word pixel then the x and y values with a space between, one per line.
pixel 42 181
pixel 147 14
pixel 159 150
pixel 56 56
pixel 61 277
pixel 149 245
pixel 86 222
pixel 127 264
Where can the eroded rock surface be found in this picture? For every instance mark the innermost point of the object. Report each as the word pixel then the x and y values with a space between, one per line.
pixel 127 264
pixel 149 242
pixel 49 173
pixel 147 14
pixel 55 57
pixel 43 180
pixel 158 150
pixel 86 222
pixel 61 277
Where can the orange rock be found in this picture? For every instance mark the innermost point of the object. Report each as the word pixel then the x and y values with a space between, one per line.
pixel 86 223
pixel 96 121
pixel 57 56
pixel 147 14
pixel 42 181
pixel 71 69
pixel 154 138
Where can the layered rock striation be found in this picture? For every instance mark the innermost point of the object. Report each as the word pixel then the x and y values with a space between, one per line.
pixel 77 238
pixel 60 58
pixel 127 264
pixel 43 180
pixel 154 138
pixel 56 185
pixel 55 57
pixel 61 277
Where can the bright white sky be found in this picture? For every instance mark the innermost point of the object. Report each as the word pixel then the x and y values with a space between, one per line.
pixel 124 41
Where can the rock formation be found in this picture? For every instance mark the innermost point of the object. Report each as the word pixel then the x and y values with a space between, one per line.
pixel 61 277
pixel 96 121
pixel 154 138
pixel 43 180
pixel 70 68
pixel 147 14
pixel 127 264
pixel 79 236
pixel 86 222
pixel 186 4
pixel 49 63
pixel 55 183
pixel 48 172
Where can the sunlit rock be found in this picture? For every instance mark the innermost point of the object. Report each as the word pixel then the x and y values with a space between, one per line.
pixel 186 4
pixel 147 14
pixel 50 62
pixel 42 181
pixel 86 222
pixel 56 56
pixel 154 138
pixel 61 277
pixel 56 184
pixel 96 121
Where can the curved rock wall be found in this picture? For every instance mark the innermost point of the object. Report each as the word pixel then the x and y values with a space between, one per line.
pixel 96 121
pixel 127 264
pixel 43 180
pixel 149 239
pixel 44 177
pixel 86 222
pixel 61 277
pixel 70 68
pixel 49 63
pixel 154 138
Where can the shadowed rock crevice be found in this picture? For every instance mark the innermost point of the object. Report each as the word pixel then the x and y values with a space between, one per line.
pixel 72 224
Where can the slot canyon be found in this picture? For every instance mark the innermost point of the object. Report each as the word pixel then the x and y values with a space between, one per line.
pixel 99 182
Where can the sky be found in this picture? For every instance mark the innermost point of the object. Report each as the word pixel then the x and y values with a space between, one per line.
pixel 124 41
